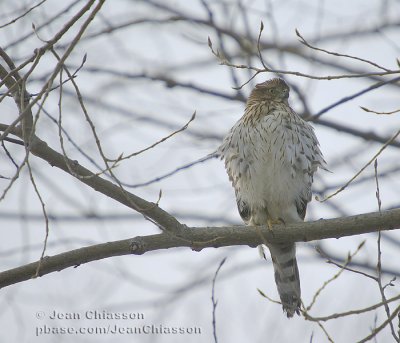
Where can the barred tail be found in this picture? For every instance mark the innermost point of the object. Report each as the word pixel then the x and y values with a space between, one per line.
pixel 287 277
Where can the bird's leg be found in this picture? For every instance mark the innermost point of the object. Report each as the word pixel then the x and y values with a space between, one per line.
pixel 271 222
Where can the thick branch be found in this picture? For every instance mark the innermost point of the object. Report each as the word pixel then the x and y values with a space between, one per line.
pixel 204 237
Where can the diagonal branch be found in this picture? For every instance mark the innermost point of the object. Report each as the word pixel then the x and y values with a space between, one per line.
pixel 151 210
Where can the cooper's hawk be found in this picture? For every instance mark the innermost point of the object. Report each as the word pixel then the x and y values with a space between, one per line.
pixel 271 155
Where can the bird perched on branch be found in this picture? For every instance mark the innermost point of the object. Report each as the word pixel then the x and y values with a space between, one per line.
pixel 271 155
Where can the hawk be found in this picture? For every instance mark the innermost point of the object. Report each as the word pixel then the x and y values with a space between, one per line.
pixel 271 155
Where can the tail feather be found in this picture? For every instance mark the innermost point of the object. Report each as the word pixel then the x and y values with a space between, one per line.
pixel 287 277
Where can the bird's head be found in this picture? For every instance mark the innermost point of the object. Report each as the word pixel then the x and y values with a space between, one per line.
pixel 271 90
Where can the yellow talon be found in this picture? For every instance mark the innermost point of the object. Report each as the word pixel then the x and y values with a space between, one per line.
pixel 271 222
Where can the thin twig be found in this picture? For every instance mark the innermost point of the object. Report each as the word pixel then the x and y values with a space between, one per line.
pixel 386 113
pixel 379 263
pixel 325 332
pixel 173 172
pixel 352 270
pixel 22 15
pixel 225 62
pixel 215 302
pixel 21 39
pixel 334 277
pixel 303 41
pixel 361 170
pixel 46 218
pixel 260 57
pixel 8 153
pixel 351 97
pixel 183 128
pixel 269 298
pixel 381 327
pixel 38 53
pixel 59 122
pixel 351 312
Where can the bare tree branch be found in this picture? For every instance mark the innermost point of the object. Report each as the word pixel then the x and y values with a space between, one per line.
pixel 55 159
pixel 215 302
pixel 198 238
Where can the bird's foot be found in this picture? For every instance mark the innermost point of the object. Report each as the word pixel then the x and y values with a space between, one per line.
pixel 271 222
